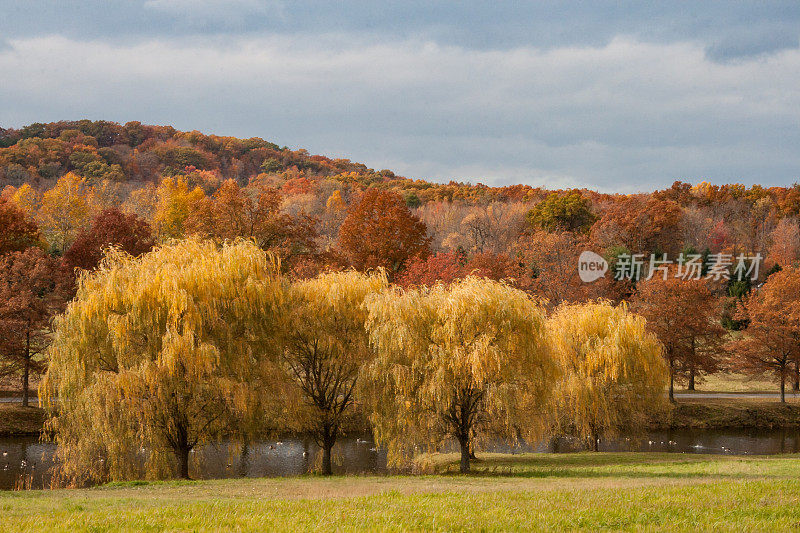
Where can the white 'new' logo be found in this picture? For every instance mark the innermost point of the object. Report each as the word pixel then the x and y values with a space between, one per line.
pixel 591 266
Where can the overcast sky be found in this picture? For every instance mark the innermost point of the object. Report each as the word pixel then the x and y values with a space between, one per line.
pixel 614 96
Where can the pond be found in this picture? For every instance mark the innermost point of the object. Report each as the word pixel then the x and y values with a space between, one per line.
pixel 27 458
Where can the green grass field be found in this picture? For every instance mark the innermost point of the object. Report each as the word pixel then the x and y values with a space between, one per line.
pixel 575 491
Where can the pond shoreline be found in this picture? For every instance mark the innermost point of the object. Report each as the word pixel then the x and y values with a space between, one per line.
pixel 728 414
pixel 16 420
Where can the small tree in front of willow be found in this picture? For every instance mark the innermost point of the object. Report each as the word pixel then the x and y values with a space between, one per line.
pixel 33 289
pixel 326 348
pixel 614 372
pixel 684 315
pixel 160 354
pixel 467 361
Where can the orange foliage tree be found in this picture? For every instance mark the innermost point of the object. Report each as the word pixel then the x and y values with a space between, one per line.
pixel 685 316
pixel 380 231
pixel 235 212
pixel 446 267
pixel 641 224
pixel 785 248
pixel 550 263
pixel 771 342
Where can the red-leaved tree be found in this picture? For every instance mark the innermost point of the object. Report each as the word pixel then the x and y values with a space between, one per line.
pixel 111 227
pixel 17 231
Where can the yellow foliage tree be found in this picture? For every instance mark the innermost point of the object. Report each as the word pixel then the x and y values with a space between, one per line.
pixel 467 361
pixel 66 209
pixel 327 348
pixel 335 204
pixel 107 194
pixel 159 354
pixel 614 372
pixel 143 202
pixel 175 200
pixel 28 199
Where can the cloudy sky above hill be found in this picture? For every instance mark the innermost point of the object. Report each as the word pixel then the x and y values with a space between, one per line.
pixel 615 96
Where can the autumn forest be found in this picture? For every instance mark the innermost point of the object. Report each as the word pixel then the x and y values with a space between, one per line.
pixel 162 289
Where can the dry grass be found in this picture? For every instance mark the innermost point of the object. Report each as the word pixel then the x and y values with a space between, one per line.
pixel 736 383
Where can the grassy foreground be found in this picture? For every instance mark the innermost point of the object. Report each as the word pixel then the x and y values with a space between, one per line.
pixel 574 491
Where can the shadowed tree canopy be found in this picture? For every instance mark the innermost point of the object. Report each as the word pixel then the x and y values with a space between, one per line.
pixel 18 230
pixel 326 349
pixel 111 227
pixel 614 373
pixel 160 354
pixel 467 361
pixel 380 231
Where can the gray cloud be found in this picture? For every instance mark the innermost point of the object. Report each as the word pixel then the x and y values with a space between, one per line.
pixel 217 15
pixel 631 110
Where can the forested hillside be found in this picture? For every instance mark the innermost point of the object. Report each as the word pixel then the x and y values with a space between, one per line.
pixel 69 189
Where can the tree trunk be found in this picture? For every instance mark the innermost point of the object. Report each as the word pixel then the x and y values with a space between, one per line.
pixel 797 376
pixel 595 441
pixel 328 440
pixel 464 456
pixel 25 380
pixel 691 379
pixel 671 382
pixel 26 371
pixel 183 462
pixel 243 459
pixel 783 388
pixel 327 468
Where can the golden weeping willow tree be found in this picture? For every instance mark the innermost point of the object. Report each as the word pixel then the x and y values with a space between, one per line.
pixel 160 354
pixel 614 373
pixel 468 361
pixel 326 347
